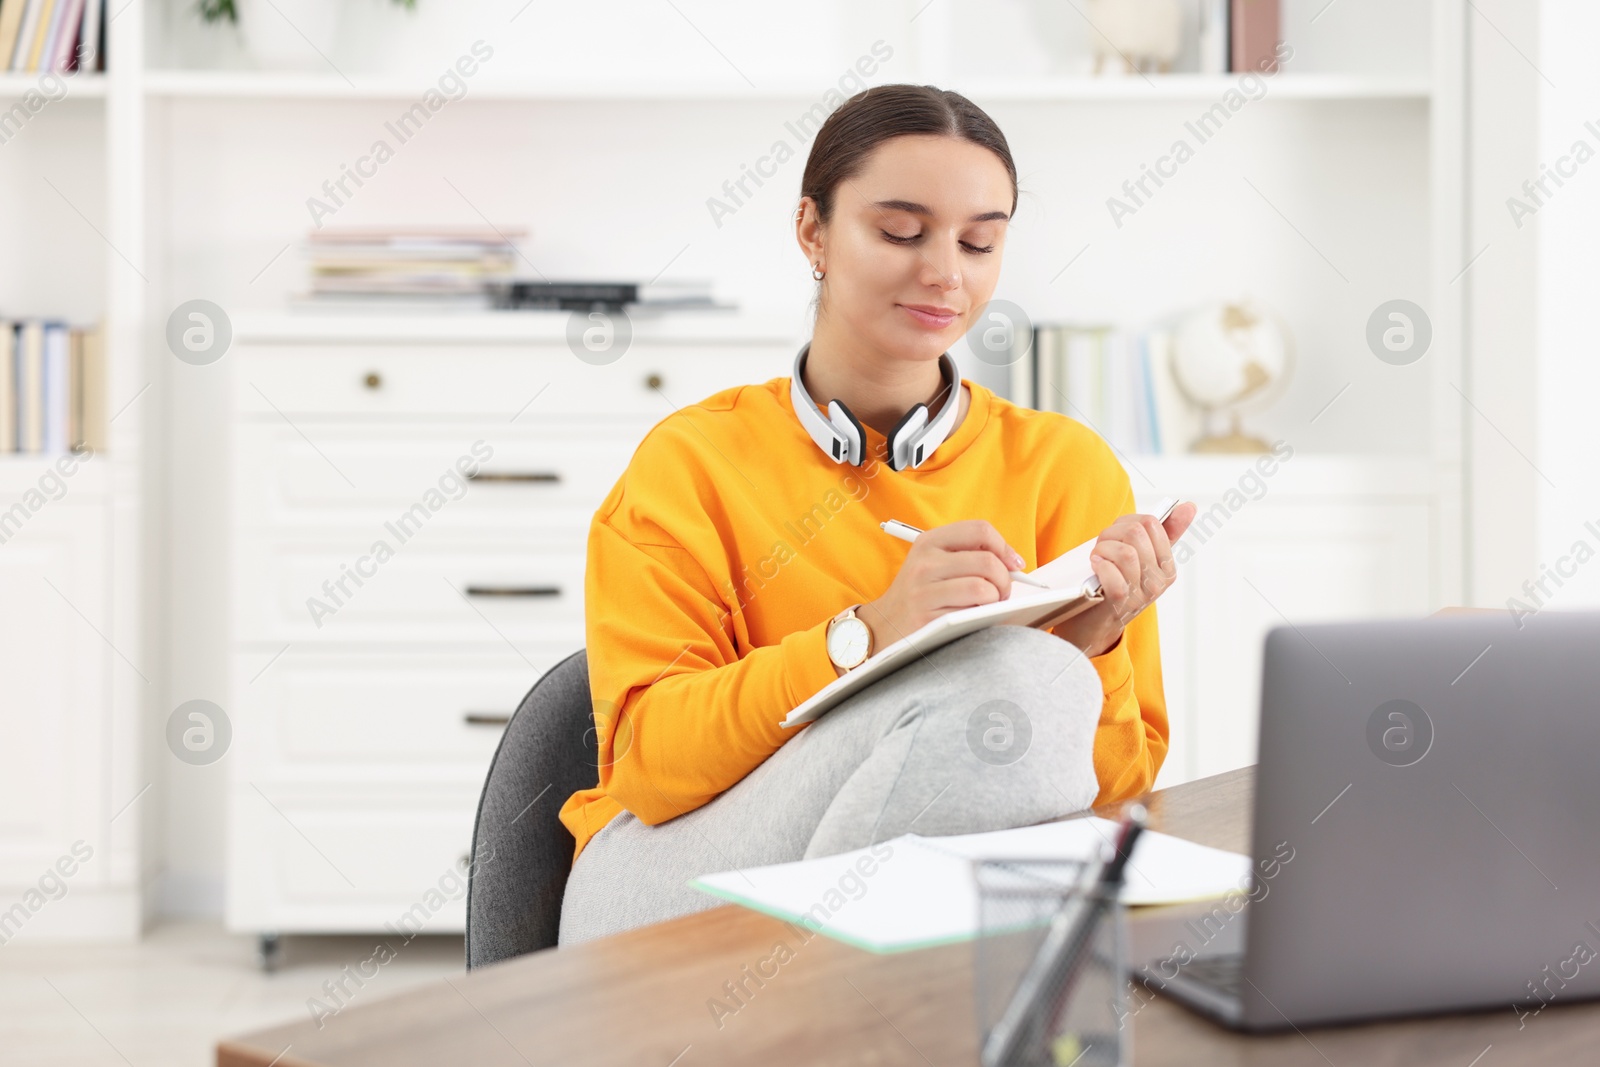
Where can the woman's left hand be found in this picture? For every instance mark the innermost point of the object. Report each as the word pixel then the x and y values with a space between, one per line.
pixel 1133 559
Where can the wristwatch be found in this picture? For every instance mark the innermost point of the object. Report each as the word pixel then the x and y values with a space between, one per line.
pixel 849 639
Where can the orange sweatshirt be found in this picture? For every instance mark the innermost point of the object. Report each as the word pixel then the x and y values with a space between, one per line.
pixel 717 559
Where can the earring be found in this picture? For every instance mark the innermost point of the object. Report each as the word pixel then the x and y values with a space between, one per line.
pixel 817 274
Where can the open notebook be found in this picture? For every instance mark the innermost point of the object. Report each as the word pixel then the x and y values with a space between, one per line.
pixel 921 891
pixel 1072 587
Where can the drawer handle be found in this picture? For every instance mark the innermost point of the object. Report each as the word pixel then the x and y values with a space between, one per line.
pixel 373 380
pixel 653 381
pixel 514 476
pixel 485 718
pixel 513 590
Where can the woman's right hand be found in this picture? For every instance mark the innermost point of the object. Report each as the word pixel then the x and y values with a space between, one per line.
pixel 958 565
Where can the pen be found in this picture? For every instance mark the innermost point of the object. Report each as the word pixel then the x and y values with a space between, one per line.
pixel 907 532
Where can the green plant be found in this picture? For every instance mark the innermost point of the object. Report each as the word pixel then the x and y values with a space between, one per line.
pixel 218 10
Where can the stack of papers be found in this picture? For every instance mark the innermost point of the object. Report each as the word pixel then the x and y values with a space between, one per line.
pixel 914 892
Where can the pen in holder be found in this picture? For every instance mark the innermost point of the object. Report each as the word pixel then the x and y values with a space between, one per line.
pixel 1049 970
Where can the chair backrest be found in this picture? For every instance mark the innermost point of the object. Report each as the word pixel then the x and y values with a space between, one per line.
pixel 521 853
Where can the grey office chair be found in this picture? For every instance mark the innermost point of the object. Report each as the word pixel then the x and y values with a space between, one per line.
pixel 522 854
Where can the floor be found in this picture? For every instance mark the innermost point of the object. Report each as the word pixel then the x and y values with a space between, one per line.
pixel 165 1001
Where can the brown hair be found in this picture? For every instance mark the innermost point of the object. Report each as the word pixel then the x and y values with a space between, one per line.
pixel 874 115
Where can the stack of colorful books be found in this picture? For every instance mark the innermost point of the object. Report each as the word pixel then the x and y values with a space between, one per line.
pixel 443 265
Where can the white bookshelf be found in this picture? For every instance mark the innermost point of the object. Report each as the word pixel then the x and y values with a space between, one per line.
pixel 81 642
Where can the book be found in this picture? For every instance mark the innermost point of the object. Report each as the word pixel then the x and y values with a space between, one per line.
pixel 94 428
pixel 54 406
pixel 1255 35
pixel 1083 378
pixel 8 387
pixel 914 892
pixel 30 387
pixel 75 389
pixel 1177 419
pixel 1020 372
pixel 65 40
pixel 52 34
pixel 1144 389
pixel 89 38
pixel 1047 363
pixel 1120 384
pixel 10 27
pixel 25 33
pixel 41 33
pixel 1214 39
pixel 1069 587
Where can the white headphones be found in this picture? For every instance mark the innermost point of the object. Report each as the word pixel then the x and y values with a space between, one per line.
pixel 840 436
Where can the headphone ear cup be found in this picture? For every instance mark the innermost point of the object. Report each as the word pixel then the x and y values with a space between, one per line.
pixel 846 423
pixel 909 424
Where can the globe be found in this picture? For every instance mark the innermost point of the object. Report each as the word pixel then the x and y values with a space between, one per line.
pixel 1230 358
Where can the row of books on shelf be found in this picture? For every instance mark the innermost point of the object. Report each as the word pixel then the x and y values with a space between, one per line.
pixel 1118 382
pixel 52 388
pixel 46 35
pixel 1239 36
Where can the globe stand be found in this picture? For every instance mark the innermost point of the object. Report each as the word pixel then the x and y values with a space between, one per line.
pixel 1234 442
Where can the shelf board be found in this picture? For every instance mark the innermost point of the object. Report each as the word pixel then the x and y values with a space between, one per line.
pixel 81 86
pixel 287 85
pixel 21 471
pixel 279 85
pixel 402 326
pixel 1168 87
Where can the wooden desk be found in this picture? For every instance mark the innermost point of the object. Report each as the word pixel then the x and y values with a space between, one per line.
pixel 641 998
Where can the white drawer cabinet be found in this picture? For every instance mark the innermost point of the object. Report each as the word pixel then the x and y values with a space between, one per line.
pixel 353 717
pixel 306 587
pixel 348 861
pixel 357 476
pixel 371 684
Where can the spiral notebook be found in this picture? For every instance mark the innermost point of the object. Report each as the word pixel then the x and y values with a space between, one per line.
pixel 1072 587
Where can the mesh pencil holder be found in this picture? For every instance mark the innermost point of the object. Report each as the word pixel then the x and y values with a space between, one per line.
pixel 1036 1007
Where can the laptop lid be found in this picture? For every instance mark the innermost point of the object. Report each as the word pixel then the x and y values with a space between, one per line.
pixel 1435 781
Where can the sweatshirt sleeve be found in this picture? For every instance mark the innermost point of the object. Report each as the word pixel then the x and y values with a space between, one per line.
pixel 1131 741
pixel 680 715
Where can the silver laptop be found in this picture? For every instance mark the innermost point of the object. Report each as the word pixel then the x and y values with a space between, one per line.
pixel 1427 813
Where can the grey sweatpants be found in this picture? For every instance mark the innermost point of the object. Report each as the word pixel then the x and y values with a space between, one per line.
pixel 991 731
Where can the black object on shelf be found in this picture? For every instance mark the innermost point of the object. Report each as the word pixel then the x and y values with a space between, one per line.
pixel 563 296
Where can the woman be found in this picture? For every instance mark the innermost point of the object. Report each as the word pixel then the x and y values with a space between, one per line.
pixel 735 543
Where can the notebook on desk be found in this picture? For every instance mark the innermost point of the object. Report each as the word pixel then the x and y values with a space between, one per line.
pixel 1071 586
pixel 915 892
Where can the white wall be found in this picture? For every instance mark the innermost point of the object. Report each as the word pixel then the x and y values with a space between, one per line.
pixel 1500 292
pixel 1568 376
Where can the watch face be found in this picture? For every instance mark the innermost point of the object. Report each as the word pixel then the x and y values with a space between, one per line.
pixel 847 642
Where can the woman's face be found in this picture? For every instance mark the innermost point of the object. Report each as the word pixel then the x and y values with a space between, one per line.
pixel 913 249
